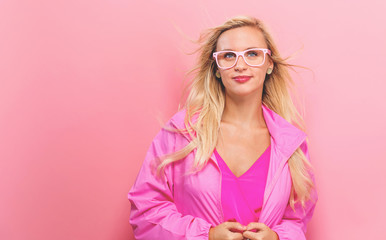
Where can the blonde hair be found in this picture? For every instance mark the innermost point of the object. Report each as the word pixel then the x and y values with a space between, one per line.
pixel 207 99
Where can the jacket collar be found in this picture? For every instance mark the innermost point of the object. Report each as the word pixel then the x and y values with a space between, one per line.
pixel 286 136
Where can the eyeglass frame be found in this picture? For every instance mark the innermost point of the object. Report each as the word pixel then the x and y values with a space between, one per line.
pixel 241 53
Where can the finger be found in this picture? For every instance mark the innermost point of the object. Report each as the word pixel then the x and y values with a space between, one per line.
pixel 256 225
pixel 252 235
pixel 235 226
pixel 236 236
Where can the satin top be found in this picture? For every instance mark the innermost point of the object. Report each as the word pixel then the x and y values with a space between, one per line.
pixel 242 197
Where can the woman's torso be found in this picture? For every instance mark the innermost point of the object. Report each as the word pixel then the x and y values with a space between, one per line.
pixel 200 194
pixel 242 196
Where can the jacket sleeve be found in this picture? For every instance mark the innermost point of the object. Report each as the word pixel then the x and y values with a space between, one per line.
pixel 153 213
pixel 293 225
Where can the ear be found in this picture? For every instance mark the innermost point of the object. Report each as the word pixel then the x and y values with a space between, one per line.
pixel 218 74
pixel 271 64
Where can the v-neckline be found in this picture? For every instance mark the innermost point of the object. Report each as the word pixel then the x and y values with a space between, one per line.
pixel 248 170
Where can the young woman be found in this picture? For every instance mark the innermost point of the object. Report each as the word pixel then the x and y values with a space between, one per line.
pixel 231 164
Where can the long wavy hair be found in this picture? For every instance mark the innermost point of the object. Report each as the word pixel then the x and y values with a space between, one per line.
pixel 206 99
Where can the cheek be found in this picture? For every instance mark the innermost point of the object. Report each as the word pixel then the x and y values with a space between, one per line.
pixel 224 74
pixel 260 72
pixel 226 77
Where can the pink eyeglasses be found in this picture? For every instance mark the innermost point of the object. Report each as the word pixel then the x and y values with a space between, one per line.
pixel 253 57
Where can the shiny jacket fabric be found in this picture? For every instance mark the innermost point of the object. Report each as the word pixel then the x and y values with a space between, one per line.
pixel 185 206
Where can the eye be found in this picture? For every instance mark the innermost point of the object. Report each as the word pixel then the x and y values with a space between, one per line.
pixel 253 53
pixel 229 55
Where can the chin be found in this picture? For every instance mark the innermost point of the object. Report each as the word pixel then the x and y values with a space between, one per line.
pixel 243 93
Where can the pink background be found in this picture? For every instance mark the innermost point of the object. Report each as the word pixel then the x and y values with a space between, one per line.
pixel 82 84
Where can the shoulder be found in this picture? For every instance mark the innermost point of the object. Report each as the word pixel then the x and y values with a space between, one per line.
pixel 177 120
pixel 175 126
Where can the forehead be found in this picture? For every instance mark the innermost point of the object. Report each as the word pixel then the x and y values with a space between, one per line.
pixel 241 38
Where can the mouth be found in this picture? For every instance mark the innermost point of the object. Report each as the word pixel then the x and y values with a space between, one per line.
pixel 241 79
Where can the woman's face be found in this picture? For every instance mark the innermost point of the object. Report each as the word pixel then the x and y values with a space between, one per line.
pixel 242 79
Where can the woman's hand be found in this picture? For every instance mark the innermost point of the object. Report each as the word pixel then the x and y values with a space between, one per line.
pixel 263 232
pixel 227 231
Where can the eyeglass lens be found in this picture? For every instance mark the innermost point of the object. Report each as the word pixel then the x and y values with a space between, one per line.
pixel 252 57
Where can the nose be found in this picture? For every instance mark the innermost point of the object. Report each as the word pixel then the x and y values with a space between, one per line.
pixel 240 63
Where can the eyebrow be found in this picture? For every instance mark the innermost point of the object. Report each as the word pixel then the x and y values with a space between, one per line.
pixel 228 49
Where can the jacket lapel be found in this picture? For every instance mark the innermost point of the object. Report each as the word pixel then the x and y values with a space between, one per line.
pixel 286 136
pixel 285 139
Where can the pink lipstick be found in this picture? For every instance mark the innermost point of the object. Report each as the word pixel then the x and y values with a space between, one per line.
pixel 241 79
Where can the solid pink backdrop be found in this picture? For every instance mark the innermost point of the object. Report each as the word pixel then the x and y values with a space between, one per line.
pixel 83 82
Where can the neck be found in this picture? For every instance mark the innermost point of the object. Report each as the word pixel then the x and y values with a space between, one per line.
pixel 245 112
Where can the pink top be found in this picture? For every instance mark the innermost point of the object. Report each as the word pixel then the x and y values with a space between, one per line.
pixel 242 197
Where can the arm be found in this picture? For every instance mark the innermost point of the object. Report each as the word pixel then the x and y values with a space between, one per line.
pixel 153 213
pixel 294 224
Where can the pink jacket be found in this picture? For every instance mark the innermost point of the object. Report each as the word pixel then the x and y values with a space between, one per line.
pixel 182 206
